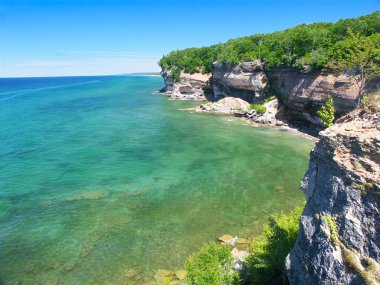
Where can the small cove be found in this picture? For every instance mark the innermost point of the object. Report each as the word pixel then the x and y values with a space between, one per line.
pixel 99 176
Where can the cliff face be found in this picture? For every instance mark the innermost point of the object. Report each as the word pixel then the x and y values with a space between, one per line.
pixel 301 93
pixel 246 81
pixel 339 237
pixel 190 86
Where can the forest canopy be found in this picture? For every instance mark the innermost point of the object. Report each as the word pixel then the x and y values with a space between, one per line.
pixel 313 45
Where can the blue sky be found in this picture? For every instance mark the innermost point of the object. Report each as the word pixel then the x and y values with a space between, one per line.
pixel 96 37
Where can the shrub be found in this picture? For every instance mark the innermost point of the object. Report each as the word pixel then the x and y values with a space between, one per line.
pixel 327 112
pixel 266 262
pixel 260 109
pixel 212 265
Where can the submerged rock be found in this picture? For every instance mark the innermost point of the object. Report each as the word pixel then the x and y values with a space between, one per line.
pixel 164 277
pixel 226 239
pixel 181 274
pixel 90 195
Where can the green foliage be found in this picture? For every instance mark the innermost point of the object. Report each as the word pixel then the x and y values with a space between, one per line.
pixel 358 56
pixel 312 45
pixel 327 112
pixel 268 252
pixel 260 109
pixel 176 74
pixel 212 266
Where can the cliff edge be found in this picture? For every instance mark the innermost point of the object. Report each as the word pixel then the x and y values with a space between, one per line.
pixel 339 237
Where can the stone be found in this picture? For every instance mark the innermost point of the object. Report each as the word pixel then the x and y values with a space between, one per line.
pixel 194 86
pixel 226 238
pixel 228 105
pixel 163 276
pixel 239 255
pixel 333 187
pixel 246 81
pixel 181 274
pixel 131 273
pixel 90 195
pixel 242 241
pixel 302 93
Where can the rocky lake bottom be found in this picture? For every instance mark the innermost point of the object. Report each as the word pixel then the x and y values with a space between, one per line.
pixel 103 182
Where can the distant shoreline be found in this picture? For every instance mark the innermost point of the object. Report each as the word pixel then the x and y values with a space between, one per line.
pixel 158 74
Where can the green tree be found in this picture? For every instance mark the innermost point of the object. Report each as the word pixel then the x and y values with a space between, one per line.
pixel 176 74
pixel 327 112
pixel 313 45
pixel 358 57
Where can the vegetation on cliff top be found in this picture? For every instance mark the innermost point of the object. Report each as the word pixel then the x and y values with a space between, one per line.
pixel 314 45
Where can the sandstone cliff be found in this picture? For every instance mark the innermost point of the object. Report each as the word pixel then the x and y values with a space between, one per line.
pixel 300 93
pixel 246 81
pixel 190 86
pixel 303 93
pixel 339 237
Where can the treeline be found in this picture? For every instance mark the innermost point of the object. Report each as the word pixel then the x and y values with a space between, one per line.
pixel 313 45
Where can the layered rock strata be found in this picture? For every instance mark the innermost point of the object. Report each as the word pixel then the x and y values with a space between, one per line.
pixel 246 81
pixel 300 93
pixel 303 93
pixel 339 237
pixel 190 86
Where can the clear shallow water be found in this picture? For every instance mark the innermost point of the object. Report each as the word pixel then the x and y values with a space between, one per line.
pixel 98 176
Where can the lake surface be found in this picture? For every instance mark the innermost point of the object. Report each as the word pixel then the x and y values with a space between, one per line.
pixel 98 176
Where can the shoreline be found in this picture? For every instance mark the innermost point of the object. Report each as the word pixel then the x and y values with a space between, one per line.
pixel 246 120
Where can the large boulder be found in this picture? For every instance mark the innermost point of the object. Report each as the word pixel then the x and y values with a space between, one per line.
pixel 228 105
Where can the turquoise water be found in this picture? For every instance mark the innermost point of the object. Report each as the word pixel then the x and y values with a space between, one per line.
pixel 98 176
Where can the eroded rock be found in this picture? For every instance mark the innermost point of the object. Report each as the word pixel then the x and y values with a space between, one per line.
pixel 343 183
pixel 228 105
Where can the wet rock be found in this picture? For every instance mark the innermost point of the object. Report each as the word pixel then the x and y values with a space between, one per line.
pixel 90 195
pixel 181 274
pixel 226 239
pixel 164 277
pixel 131 273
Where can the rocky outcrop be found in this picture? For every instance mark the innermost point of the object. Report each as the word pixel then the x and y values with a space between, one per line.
pixel 228 105
pixel 194 86
pixel 246 81
pixel 303 93
pixel 273 116
pixel 339 237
